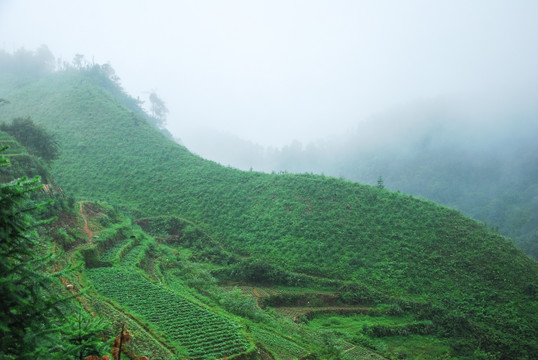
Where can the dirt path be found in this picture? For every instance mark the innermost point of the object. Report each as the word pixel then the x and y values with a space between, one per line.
pixel 86 227
pixel 69 286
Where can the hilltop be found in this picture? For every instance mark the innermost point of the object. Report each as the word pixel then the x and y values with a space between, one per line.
pixel 365 244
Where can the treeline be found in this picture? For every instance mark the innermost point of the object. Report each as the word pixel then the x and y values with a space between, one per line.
pixel 28 65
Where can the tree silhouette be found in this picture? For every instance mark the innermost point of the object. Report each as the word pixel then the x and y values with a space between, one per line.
pixel 158 109
pixel 380 183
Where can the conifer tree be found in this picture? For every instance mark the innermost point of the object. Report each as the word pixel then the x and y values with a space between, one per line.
pixel 81 335
pixel 380 183
pixel 28 299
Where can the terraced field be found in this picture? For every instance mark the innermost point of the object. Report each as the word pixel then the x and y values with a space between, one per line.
pixel 321 302
pixel 352 352
pixel 144 342
pixel 111 253
pixel 194 331
pixel 14 149
pixel 132 255
pixel 202 333
pixel 295 312
pixel 259 292
pixel 285 349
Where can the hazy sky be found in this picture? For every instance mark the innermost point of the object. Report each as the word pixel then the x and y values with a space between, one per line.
pixel 273 71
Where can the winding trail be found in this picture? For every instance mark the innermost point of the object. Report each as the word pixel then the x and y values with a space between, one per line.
pixel 86 227
pixel 69 285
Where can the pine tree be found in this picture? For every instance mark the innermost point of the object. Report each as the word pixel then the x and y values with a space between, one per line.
pixel 28 300
pixel 380 183
pixel 82 335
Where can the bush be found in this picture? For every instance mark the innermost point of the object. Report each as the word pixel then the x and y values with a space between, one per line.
pixel 34 138
pixel 64 239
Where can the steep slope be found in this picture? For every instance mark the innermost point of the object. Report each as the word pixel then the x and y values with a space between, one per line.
pixel 473 280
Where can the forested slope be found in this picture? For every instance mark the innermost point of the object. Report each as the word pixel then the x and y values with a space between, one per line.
pixel 474 280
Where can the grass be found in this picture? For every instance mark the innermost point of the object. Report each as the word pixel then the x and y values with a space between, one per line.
pixel 417 347
pixel 358 329
pixel 355 322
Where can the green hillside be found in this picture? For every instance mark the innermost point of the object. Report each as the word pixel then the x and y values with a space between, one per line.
pixel 366 244
pixel 485 166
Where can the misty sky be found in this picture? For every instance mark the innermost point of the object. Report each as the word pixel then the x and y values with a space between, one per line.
pixel 274 71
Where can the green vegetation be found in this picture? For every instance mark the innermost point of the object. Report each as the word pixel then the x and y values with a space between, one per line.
pixel 397 336
pixel 34 138
pixel 21 162
pixel 493 182
pixel 205 335
pixel 24 66
pixel 449 281
pixel 35 321
pixel 27 297
pixel 488 171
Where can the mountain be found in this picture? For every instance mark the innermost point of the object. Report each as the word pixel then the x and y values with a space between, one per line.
pixel 444 279
pixel 479 159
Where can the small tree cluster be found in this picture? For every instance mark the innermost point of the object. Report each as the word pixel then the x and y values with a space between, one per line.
pixel 28 64
pixel 34 138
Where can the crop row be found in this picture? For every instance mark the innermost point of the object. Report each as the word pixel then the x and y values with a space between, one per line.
pixel 285 349
pixel 111 253
pixel 358 352
pixel 132 255
pixel 144 343
pixel 203 333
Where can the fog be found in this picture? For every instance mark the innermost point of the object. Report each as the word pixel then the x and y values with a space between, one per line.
pixel 271 72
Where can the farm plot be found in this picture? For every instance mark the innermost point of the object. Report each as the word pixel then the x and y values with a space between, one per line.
pixel 352 352
pixel 295 312
pixel 143 342
pixel 132 255
pixel 204 334
pixel 259 292
pixel 264 292
pixel 281 347
pixel 111 253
